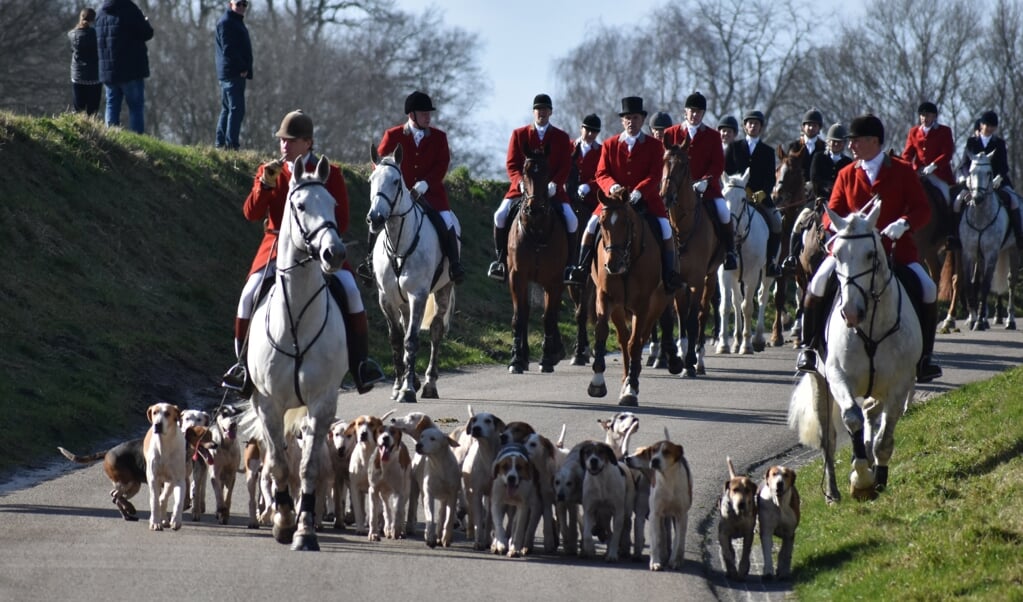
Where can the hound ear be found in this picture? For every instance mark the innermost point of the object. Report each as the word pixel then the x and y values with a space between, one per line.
pixel 452 442
pixel 149 413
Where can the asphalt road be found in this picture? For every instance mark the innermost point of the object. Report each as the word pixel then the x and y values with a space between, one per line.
pixel 62 539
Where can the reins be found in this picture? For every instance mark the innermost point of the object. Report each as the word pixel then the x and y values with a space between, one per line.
pixel 390 245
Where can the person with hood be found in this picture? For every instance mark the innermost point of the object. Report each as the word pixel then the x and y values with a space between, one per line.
pixel 85 86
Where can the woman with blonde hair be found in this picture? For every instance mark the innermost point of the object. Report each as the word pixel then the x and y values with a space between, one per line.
pixel 85 84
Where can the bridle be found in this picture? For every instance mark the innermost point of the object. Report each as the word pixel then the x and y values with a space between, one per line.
pixel 626 248
pixel 398 259
pixel 535 204
pixel 310 237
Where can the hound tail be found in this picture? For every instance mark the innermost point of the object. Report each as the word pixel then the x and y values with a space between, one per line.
pixel 96 457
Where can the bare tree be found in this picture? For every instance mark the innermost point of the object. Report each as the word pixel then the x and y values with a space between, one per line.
pixel 35 55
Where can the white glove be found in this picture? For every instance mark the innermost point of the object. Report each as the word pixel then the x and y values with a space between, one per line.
pixel 635 197
pixel 700 186
pixel 929 169
pixel 584 189
pixel 896 229
pixel 552 189
pixel 420 188
pixel 614 189
pixel 997 182
pixel 961 179
pixel 522 187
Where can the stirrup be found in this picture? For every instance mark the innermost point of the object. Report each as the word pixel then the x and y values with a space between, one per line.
pixel 926 371
pixel 365 272
pixel 370 373
pixel 575 275
pixel 807 361
pixel 731 261
pixel 497 272
pixel 789 263
pixel 235 377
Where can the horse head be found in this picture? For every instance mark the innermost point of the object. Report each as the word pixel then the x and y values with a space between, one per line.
pixel 311 208
pixel 734 190
pixel 535 181
pixel 676 179
pixel 388 195
pixel 790 184
pixel 860 262
pixel 618 221
pixel 980 180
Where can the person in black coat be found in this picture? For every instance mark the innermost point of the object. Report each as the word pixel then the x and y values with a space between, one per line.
pixel 85 85
pixel 987 140
pixel 234 69
pixel 758 157
pixel 121 34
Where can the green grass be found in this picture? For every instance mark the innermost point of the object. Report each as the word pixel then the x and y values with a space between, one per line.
pixel 951 523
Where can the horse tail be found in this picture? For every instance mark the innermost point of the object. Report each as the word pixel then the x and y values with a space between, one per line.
pixel 431 311
pixel 250 427
pixel 811 399
pixel 948 271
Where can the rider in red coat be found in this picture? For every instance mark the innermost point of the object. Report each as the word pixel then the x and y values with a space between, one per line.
pixel 266 202
pixel 529 138
pixel 586 156
pixel 706 164
pixel 632 161
pixel 424 165
pixel 929 149
pixel 904 207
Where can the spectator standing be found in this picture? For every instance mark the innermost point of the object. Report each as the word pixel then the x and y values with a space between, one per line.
pixel 85 86
pixel 234 69
pixel 121 34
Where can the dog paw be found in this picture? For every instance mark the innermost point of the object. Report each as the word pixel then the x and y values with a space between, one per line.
pixel 155 527
pixel 374 537
pixel 176 525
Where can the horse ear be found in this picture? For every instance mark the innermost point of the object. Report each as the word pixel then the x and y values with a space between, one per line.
pixel 745 177
pixel 875 212
pixel 323 168
pixel 299 170
pixel 839 222
pixel 374 156
pixel 781 153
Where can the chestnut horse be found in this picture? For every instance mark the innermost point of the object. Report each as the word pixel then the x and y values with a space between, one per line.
pixel 537 252
pixel 699 254
pixel 627 275
pixel 790 198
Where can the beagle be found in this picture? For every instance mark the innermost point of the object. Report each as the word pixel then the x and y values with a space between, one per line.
pixel 568 496
pixel 441 483
pixel 196 473
pixel 778 512
pixel 388 484
pixel 738 510
pixel 477 474
pixel 252 461
pixel 413 424
pixel 341 444
pixel 671 496
pixel 225 460
pixel 618 430
pixel 363 429
pixel 605 497
pixel 515 489
pixel 163 448
pixel 543 455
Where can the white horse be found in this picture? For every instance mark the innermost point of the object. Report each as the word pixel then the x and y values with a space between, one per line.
pixel 411 275
pixel 986 241
pixel 297 351
pixel 737 286
pixel 873 344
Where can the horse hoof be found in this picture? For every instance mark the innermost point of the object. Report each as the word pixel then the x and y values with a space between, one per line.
pixel 1010 326
pixel 650 361
pixel 408 397
pixel 863 495
pixel 546 368
pixel 416 383
pixel 515 369
pixel 284 534
pixel 701 370
pixel 690 372
pixel 306 543
pixel 722 350
pixel 660 364
pixel 676 365
pixel 759 346
pixel 430 391
pixel 628 401
pixel 597 390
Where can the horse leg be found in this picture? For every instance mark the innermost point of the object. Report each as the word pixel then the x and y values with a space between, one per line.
pixel 553 347
pixel 417 307
pixel 395 336
pixel 861 480
pixel 724 285
pixel 438 328
pixel 598 388
pixel 826 407
pixel 884 439
pixel 283 517
pixel 669 350
pixel 520 325
pixel 320 415
pixel 746 347
pixel 580 297
pixel 738 299
pixel 632 356
pixel 778 328
pixel 763 293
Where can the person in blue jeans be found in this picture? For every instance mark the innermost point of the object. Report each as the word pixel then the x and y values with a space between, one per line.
pixel 234 68
pixel 121 35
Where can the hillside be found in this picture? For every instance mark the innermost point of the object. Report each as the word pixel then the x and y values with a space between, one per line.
pixel 126 256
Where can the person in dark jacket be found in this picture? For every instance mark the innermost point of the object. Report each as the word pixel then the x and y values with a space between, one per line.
pixel 121 34
pixel 234 67
pixel 987 140
pixel 85 86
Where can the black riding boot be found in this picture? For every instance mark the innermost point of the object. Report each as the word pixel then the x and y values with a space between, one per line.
pixel 773 245
pixel 926 370
pixel 669 275
pixel 576 275
pixel 1017 227
pixel 237 376
pixel 573 251
pixel 499 269
pixel 726 233
pixel 365 372
pixel 953 243
pixel 795 248
pixel 814 315
pixel 365 269
pixel 455 269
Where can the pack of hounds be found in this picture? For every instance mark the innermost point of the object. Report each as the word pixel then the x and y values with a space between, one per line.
pixel 497 480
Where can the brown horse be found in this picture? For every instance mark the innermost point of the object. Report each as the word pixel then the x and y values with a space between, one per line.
pixel 627 275
pixel 790 198
pixel 699 254
pixel 537 252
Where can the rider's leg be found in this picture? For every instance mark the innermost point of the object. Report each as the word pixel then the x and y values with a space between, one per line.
pixel 451 247
pixel 726 233
pixel 577 274
pixel 237 376
pixel 953 242
pixel 815 314
pixel 926 369
pixel 571 225
pixel 365 372
pixel 365 269
pixel 669 275
pixel 499 268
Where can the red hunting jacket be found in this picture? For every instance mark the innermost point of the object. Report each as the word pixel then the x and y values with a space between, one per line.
pixel 706 157
pixel 935 146
pixel 902 196
pixel 559 159
pixel 587 167
pixel 268 203
pixel 427 162
pixel 639 170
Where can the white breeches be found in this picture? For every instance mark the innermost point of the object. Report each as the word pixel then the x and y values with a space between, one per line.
pixel 501 215
pixel 247 302
pixel 666 233
pixel 819 283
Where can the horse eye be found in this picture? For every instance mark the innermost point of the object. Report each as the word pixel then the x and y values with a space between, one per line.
pixel 300 206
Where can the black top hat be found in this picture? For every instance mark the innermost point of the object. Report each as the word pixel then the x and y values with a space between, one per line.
pixel 542 100
pixel 866 125
pixel 927 107
pixel 729 122
pixel 813 116
pixel 632 104
pixel 990 118
pixel 418 101
pixel 592 122
pixel 754 115
pixel 696 101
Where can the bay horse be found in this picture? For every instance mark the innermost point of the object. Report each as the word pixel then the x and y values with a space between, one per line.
pixel 627 275
pixel 537 252
pixel 415 291
pixel 791 198
pixel 297 352
pixel 873 342
pixel 740 287
pixel 699 255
